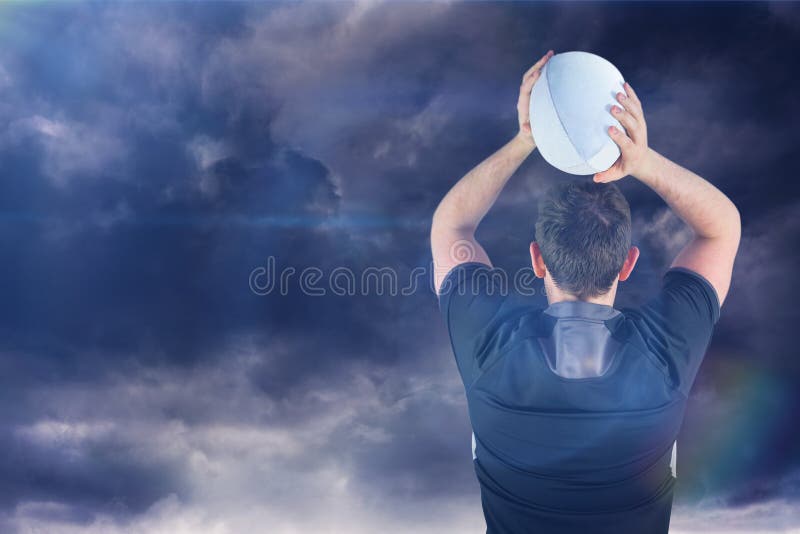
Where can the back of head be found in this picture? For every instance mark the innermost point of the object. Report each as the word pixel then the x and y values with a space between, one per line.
pixel 584 233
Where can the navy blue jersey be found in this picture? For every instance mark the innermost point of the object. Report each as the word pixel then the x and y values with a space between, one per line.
pixel 575 407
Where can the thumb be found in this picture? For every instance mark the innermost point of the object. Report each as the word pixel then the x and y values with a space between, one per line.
pixel 612 173
pixel 607 176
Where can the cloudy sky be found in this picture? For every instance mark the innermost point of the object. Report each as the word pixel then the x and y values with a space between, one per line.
pixel 160 163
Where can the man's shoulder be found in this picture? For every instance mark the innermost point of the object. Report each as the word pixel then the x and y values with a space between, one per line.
pixel 677 323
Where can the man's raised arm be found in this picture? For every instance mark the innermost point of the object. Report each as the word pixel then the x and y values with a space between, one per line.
pixel 462 209
pixel 710 214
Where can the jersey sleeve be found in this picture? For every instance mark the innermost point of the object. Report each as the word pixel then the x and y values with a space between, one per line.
pixel 471 296
pixel 677 324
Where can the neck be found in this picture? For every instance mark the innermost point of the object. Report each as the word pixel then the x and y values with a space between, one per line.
pixel 554 294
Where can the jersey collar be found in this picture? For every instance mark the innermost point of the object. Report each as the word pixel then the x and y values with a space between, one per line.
pixel 580 308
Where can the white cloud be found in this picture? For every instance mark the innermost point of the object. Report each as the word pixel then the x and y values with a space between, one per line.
pixel 252 462
pixel 340 514
pixel 665 230
pixel 778 515
pixel 320 92
pixel 71 148
pixel 165 44
pixel 206 152
pixel 54 433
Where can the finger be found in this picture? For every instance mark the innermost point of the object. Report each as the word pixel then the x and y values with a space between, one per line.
pixel 623 141
pixel 524 100
pixel 527 84
pixel 631 103
pixel 630 106
pixel 631 93
pixel 627 120
pixel 539 64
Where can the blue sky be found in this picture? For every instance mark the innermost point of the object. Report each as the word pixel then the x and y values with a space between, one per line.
pixel 153 155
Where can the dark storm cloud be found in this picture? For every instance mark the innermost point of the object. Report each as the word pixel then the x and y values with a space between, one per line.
pixel 154 155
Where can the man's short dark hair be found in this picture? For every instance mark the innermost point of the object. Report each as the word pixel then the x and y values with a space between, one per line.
pixel 584 234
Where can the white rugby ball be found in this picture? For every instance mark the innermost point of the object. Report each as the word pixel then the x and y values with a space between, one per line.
pixel 570 112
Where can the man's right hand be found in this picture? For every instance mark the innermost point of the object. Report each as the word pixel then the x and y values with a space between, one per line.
pixel 524 101
pixel 635 152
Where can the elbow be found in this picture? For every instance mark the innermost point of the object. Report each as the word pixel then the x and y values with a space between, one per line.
pixel 735 224
pixel 437 215
pixel 727 224
pixel 446 220
pixel 437 220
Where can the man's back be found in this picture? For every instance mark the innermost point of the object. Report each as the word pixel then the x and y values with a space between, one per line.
pixel 575 408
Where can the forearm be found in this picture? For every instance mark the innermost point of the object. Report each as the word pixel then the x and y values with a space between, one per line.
pixel 708 211
pixel 465 205
pixel 711 215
